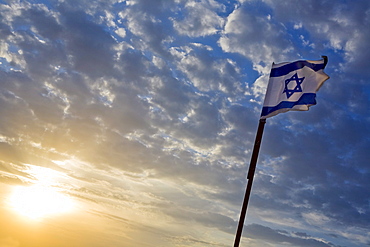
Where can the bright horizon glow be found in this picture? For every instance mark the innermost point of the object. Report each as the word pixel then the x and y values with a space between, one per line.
pixel 36 202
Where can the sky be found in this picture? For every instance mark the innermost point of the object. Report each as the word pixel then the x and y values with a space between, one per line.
pixel 131 123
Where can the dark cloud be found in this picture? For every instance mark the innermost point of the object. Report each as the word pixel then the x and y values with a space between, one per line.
pixel 88 44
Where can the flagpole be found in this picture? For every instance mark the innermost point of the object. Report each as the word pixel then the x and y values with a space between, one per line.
pixel 252 169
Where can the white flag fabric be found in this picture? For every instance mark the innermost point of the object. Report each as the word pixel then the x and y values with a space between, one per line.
pixel 293 86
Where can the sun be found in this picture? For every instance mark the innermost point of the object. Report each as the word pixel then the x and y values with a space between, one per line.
pixel 37 201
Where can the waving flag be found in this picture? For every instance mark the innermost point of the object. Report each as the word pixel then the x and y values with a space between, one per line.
pixel 293 86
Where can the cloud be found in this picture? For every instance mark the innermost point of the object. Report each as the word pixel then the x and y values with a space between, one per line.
pixel 205 72
pixel 282 237
pixel 199 18
pixel 342 27
pixel 250 31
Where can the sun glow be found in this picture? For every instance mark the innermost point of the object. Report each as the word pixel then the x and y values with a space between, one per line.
pixel 37 201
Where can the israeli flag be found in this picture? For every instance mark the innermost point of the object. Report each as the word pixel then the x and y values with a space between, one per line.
pixel 293 86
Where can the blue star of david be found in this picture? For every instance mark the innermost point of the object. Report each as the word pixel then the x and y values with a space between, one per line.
pixel 296 89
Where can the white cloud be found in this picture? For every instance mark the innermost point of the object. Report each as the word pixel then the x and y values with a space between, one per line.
pixel 342 27
pixel 316 219
pixel 207 73
pixel 121 32
pixel 255 36
pixel 200 19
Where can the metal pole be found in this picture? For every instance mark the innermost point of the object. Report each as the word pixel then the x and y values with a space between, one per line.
pixel 252 169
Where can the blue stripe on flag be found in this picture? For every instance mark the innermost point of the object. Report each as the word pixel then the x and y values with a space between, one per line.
pixel 305 99
pixel 286 69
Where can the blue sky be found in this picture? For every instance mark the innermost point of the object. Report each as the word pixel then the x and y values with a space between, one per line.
pixel 142 114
